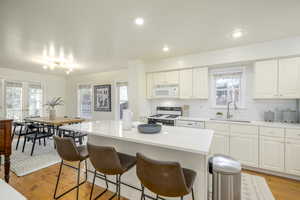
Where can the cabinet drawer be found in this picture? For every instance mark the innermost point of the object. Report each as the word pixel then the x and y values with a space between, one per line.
pixel 272 132
pixel 220 127
pixel 244 129
pixel 292 133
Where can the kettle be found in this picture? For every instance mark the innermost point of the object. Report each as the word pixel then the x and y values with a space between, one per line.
pixel 127 119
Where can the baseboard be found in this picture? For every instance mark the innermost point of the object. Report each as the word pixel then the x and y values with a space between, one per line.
pixel 280 174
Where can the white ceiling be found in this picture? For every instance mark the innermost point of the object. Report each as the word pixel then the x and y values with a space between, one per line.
pixel 102 36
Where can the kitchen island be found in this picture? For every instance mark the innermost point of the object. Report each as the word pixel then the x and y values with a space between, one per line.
pixel 188 146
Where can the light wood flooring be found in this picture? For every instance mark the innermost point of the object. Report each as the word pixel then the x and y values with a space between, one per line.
pixel 40 185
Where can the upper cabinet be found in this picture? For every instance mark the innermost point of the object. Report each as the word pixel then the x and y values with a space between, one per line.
pixel 191 83
pixel 166 78
pixel 186 84
pixel 277 79
pixel 289 77
pixel 265 79
pixel 200 83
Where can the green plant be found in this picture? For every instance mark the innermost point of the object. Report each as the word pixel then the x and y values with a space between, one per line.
pixel 56 101
pixel 219 113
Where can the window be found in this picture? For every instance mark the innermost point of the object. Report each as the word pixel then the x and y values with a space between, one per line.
pixel 1 98
pixel 227 87
pixel 13 100
pixel 35 99
pixel 85 101
pixel 122 98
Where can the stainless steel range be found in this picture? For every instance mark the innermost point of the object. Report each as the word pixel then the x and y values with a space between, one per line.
pixel 165 115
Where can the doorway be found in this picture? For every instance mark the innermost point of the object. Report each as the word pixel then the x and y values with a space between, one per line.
pixel 122 102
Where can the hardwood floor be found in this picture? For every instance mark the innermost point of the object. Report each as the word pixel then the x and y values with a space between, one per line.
pixel 40 185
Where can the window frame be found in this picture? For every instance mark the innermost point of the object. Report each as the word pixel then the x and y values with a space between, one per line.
pixel 225 72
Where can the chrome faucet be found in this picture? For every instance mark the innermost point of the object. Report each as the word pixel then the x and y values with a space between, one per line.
pixel 228 116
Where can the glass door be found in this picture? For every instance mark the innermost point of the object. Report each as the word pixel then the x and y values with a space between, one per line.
pixel 13 100
pixel 122 89
pixel 35 100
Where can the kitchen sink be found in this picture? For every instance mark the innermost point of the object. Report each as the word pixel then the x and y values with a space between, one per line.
pixel 231 120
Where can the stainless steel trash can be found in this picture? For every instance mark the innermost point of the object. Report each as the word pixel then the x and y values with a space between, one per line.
pixel 226 178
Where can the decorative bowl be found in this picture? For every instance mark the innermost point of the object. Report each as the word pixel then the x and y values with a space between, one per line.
pixel 149 128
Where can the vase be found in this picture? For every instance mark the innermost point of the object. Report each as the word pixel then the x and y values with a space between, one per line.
pixel 52 114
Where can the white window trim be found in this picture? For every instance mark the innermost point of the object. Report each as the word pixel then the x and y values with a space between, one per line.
pixel 228 70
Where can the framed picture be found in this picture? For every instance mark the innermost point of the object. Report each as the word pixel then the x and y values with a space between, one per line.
pixel 102 98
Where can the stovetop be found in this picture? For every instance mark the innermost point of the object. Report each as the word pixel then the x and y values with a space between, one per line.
pixel 162 116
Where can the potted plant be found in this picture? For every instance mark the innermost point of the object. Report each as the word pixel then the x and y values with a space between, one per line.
pixel 51 104
pixel 219 115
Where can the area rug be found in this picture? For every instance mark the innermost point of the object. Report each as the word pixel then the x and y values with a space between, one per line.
pixel 23 164
pixel 254 188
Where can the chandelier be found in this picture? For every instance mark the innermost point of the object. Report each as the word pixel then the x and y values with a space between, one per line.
pixel 50 61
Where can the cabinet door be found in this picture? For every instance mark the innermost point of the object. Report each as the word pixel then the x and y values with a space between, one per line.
pixel 172 77
pixel 292 161
pixel 149 86
pixel 244 148
pixel 186 84
pixel 272 153
pixel 220 144
pixel 200 83
pixel 265 79
pixel 159 78
pixel 289 76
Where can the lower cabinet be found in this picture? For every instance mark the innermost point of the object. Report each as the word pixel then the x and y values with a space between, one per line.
pixel 245 149
pixel 292 156
pixel 220 144
pixel 272 153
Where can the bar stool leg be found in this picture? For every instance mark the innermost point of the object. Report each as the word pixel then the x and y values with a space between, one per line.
pixel 93 185
pixel 157 197
pixel 193 196
pixel 86 170
pixel 142 195
pixel 78 179
pixel 59 173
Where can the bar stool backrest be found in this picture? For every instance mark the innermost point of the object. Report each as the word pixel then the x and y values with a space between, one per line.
pixel 161 177
pixel 105 159
pixel 66 149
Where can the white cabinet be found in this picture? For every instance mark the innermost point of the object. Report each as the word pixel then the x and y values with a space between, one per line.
pixel 220 144
pixel 292 152
pixel 166 78
pixel 172 77
pixel 279 79
pixel 265 79
pixel 272 153
pixel 200 83
pixel 289 77
pixel 244 144
pixel 245 149
pixel 149 85
pixel 186 84
pixel 159 78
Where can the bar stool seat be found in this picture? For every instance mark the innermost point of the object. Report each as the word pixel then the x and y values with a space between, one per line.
pixel 68 151
pixel 108 161
pixel 164 178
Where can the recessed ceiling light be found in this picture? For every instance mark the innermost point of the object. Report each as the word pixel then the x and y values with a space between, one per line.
pixel 139 21
pixel 166 49
pixel 238 33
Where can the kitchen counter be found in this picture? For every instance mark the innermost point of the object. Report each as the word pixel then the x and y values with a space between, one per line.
pixel 255 123
pixel 188 146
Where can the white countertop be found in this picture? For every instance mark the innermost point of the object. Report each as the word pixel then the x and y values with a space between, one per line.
pixel 171 137
pixel 255 123
pixel 8 192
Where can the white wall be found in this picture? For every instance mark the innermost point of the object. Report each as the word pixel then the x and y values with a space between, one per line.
pixel 254 109
pixel 54 86
pixel 102 78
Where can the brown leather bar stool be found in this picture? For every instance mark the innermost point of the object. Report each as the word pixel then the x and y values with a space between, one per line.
pixel 68 151
pixel 108 161
pixel 164 178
